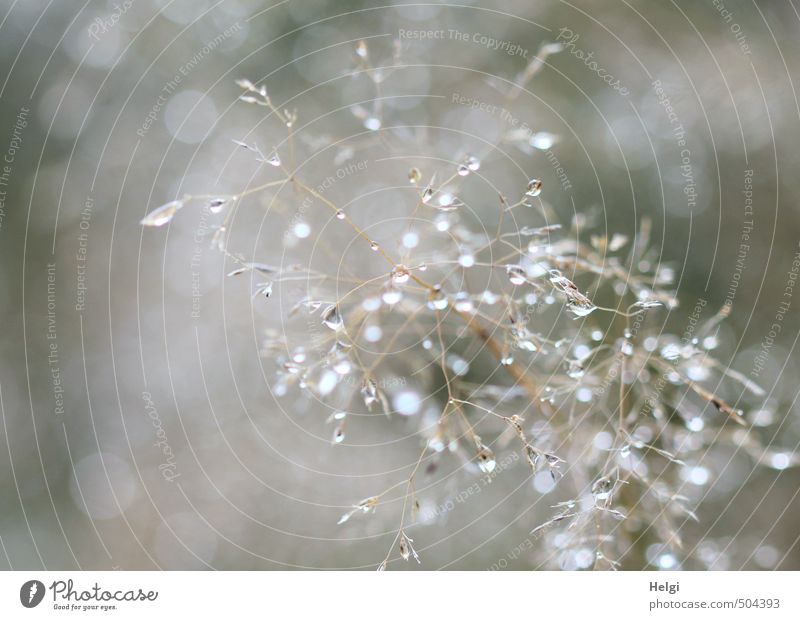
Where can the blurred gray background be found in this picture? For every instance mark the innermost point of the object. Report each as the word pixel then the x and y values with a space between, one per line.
pixel 100 348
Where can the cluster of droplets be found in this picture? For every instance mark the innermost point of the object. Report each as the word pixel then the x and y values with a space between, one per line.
pixel 573 380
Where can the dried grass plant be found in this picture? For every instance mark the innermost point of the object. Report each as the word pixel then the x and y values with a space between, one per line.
pixel 501 323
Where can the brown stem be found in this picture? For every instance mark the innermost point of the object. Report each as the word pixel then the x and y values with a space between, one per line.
pixel 519 375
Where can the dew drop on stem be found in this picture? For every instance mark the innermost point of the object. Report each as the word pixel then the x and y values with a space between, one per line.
pixel 406 549
pixel 369 392
pixel 437 300
pixel 162 215
pixel 332 318
pixel 463 302
pixel 602 488
pixel 516 275
pixel 486 460
pixel 215 205
pixel 400 274
pixel 534 188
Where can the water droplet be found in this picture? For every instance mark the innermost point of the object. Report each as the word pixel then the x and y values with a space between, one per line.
pixel 543 482
pixel 372 123
pixel 410 240
pixel 698 476
pixel 414 176
pixel 374 246
pixel 215 205
pixel 437 300
pixel 462 170
pixel 534 188
pixel 299 355
pixel 767 556
pixel 338 434
pixel 603 440
pixel 369 392
pixel 342 366
pixel 405 548
pixel 542 140
pixel 332 319
pixel 458 365
pixel 516 275
pixel 698 372
pixel 265 289
pixel 391 295
pixel 407 402
pixel 486 460
pixel 274 160
pixel 426 195
pixel 762 417
pixel 526 345
pixel 162 215
pixel 695 425
pixel 373 333
pixel 671 351
pixel 370 304
pixel 442 222
pixel 401 274
pixel 580 308
pixel 446 201
pixel 575 369
pixel 625 451
pixel 292 368
pixel 466 259
pixel 473 163
pixel 340 215
pixel 602 488
pixel 489 298
pixel 463 302
pixel 780 461
pixel 301 230
pixel 361 49
pixel 327 382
